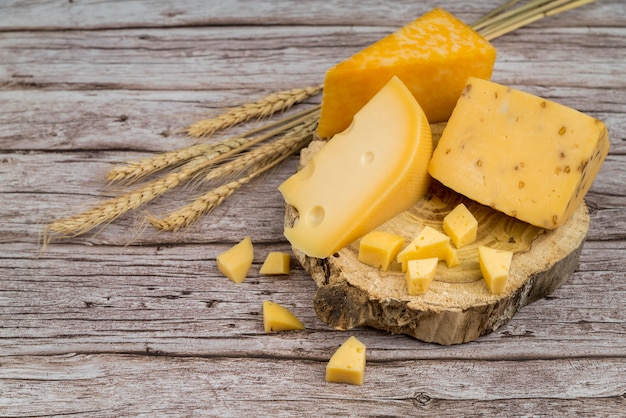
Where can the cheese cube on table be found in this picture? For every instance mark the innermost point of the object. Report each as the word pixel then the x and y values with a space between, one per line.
pixel 347 364
pixel 378 249
pixel 278 318
pixel 236 262
pixel 276 263
pixel 522 155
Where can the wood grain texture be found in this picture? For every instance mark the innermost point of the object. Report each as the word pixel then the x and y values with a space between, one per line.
pixel 130 323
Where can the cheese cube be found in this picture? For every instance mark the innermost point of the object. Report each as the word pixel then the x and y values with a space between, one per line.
pixel 461 226
pixel 520 154
pixel 378 249
pixel 347 365
pixel 362 177
pixel 433 55
pixel 236 262
pixel 278 318
pixel 430 243
pixel 276 263
pixel 419 275
pixel 494 265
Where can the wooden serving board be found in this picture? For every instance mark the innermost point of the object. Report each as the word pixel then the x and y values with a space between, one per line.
pixel 458 307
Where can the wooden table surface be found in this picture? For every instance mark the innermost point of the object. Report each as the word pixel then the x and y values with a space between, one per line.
pixel 130 322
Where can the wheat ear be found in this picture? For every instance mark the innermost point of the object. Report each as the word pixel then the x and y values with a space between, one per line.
pixel 267 106
pixel 257 161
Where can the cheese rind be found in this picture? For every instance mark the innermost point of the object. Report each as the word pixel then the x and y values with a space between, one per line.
pixel 347 364
pixel 433 55
pixel 379 248
pixel 494 266
pixel 461 226
pixel 277 318
pixel 522 155
pixel 235 262
pixel 419 275
pixel 276 263
pixel 362 177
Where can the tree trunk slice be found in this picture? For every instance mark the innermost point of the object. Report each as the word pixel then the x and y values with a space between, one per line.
pixel 458 307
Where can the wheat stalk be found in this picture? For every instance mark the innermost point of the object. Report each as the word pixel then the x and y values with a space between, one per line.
pixel 267 106
pixel 258 161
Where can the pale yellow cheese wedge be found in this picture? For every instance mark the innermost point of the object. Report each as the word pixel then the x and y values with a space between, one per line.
pixel 379 248
pixel 461 226
pixel 277 318
pixel 419 275
pixel 494 265
pixel 433 55
pixel 276 262
pixel 429 243
pixel 347 365
pixel 362 177
pixel 525 156
pixel 235 262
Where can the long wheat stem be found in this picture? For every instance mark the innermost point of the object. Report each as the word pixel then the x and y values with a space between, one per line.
pixel 267 106
pixel 259 161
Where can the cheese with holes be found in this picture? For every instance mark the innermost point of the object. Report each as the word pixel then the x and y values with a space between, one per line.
pixel 429 243
pixel 236 262
pixel 363 176
pixel 419 275
pixel 494 266
pixel 347 364
pixel 276 263
pixel 433 55
pixel 277 318
pixel 528 157
pixel 379 248
pixel 461 226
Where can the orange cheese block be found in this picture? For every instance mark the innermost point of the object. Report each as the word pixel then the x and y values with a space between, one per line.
pixel 433 55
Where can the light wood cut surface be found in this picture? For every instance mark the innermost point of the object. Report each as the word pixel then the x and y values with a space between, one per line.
pixel 123 323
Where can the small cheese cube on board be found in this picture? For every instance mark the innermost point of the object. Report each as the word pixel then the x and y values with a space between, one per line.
pixel 347 364
pixel 494 265
pixel 236 262
pixel 433 55
pixel 525 156
pixel 363 177
pixel 461 226
pixel 429 243
pixel 379 248
pixel 276 263
pixel 419 275
pixel 277 318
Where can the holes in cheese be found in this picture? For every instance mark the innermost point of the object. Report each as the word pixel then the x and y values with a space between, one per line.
pixel 362 177
pixel 494 265
pixel 347 364
pixel 278 318
pixel 433 55
pixel 522 155
pixel 276 263
pixel 236 262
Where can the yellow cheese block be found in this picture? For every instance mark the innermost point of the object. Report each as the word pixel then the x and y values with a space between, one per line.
pixel 428 244
pixel 433 55
pixel 528 157
pixel 278 318
pixel 276 263
pixel 419 275
pixel 461 226
pixel 236 262
pixel 494 266
pixel 379 248
pixel 347 365
pixel 362 177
